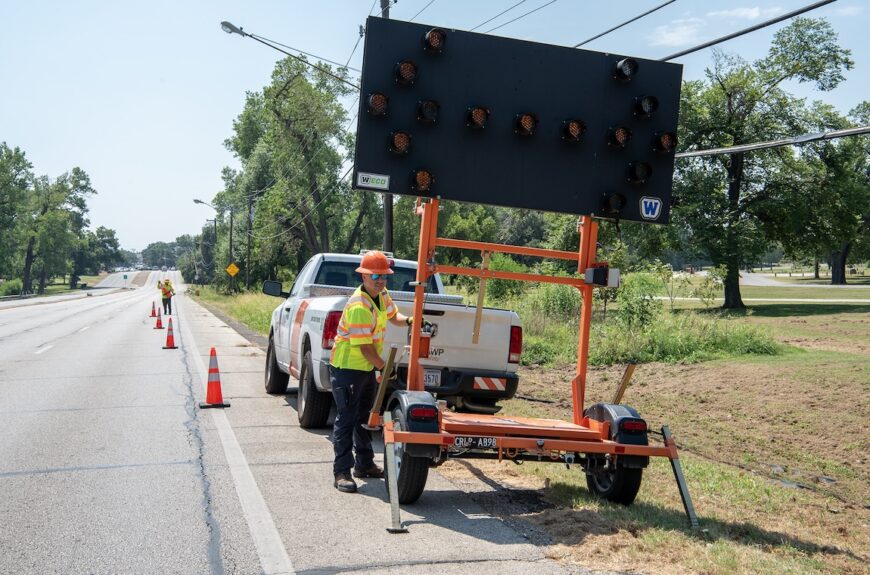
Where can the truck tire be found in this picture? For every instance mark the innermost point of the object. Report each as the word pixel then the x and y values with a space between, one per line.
pixel 276 380
pixel 312 406
pixel 413 471
pixel 617 485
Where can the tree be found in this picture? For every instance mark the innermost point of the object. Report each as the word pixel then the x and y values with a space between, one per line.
pixel 16 178
pixel 823 207
pixel 55 217
pixel 719 197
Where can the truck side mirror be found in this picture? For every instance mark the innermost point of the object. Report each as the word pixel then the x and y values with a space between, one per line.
pixel 273 288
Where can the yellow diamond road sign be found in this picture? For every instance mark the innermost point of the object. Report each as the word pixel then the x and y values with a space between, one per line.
pixel 232 269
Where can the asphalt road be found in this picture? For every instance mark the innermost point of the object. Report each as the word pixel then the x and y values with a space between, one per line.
pixel 107 465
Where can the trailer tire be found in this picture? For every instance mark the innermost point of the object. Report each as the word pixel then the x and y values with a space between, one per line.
pixel 413 471
pixel 276 380
pixel 619 485
pixel 312 406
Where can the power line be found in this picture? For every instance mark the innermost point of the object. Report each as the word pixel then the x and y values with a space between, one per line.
pixel 617 27
pixel 301 170
pixel 803 139
pixel 310 212
pixel 497 15
pixel 258 37
pixel 421 10
pixel 522 16
pixel 748 30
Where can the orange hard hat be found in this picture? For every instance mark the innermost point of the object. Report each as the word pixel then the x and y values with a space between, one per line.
pixel 374 262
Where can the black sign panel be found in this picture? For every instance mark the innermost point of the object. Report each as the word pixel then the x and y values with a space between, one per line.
pixel 417 113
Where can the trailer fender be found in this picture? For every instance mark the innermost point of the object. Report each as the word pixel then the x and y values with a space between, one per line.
pixel 618 416
pixel 407 400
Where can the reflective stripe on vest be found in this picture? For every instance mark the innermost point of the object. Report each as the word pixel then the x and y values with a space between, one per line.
pixel 348 356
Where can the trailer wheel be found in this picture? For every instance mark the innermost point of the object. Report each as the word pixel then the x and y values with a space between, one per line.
pixel 413 471
pixel 312 406
pixel 276 380
pixel 617 485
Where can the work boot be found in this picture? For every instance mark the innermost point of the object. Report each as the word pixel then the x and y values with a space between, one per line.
pixel 344 483
pixel 373 472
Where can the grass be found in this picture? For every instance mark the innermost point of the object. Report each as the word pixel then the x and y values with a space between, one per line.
pixel 61 287
pixel 252 309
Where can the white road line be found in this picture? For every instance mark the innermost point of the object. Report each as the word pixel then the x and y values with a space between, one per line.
pixel 84 328
pixel 270 549
pixel 43 349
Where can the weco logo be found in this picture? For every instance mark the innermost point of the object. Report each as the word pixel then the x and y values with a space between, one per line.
pixel 374 181
pixel 650 208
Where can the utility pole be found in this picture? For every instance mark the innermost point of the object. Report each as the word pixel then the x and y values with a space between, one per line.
pixel 388 198
pixel 248 246
pixel 233 278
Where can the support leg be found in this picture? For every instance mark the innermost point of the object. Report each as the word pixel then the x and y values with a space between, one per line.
pixel 393 479
pixel 681 481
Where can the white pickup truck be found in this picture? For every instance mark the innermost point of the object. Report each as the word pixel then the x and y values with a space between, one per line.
pixel 470 377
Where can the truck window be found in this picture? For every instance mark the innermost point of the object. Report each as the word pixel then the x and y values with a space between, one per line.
pixel 302 273
pixel 343 274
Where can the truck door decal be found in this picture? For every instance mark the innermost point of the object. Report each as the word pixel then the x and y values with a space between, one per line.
pixel 296 331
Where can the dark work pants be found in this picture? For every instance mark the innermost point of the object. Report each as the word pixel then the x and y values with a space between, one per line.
pixel 167 306
pixel 354 394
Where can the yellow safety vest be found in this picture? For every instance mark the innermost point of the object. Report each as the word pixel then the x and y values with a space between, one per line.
pixel 167 291
pixel 361 323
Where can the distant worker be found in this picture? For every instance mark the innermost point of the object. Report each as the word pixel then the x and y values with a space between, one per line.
pixel 166 291
pixel 359 344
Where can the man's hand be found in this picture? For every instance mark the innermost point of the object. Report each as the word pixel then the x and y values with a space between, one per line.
pixel 427 325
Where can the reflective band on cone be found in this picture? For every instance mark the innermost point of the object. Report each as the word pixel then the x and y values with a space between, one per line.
pixel 213 395
pixel 153 310
pixel 159 321
pixel 170 338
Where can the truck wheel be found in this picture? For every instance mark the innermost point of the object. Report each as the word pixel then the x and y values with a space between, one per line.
pixel 413 471
pixel 619 485
pixel 312 406
pixel 276 380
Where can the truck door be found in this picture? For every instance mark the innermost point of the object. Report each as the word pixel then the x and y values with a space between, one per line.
pixel 288 315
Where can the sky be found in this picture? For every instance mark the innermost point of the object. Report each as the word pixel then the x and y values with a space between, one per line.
pixel 142 95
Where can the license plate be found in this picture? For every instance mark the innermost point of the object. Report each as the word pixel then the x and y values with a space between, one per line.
pixel 468 442
pixel 432 377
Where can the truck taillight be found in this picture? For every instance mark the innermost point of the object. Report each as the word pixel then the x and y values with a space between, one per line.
pixel 330 327
pixel 516 346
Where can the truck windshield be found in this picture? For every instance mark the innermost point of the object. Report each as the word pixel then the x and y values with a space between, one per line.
pixel 343 274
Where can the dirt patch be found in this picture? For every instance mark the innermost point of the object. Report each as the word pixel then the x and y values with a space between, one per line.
pixel 776 453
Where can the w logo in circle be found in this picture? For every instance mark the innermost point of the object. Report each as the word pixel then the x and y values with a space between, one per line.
pixel 650 208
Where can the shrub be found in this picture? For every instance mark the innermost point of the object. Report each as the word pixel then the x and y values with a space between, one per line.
pixel 539 352
pixel 636 298
pixel 559 302
pixel 711 286
pixel 503 289
pixel 685 337
pixel 11 287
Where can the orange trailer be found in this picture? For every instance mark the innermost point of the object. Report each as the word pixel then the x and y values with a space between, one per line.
pixel 609 441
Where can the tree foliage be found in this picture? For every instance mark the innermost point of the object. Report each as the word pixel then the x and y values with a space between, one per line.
pixel 720 199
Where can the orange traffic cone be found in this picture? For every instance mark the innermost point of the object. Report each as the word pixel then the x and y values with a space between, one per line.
pixel 213 396
pixel 153 310
pixel 170 338
pixel 159 321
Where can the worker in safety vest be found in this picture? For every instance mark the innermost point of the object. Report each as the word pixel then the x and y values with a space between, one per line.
pixel 166 292
pixel 359 344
